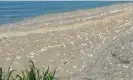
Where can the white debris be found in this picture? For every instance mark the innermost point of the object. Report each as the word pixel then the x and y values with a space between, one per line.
pixel 18 57
pixel 74 66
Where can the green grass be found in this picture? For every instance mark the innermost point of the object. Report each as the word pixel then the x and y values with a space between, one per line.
pixel 32 73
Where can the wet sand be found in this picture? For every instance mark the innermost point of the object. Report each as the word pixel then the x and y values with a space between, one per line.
pixel 70 42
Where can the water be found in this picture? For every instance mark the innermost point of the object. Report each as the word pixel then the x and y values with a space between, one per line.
pixel 12 11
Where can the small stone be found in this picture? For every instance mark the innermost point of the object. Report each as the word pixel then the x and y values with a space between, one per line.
pixel 113 55
pixel 66 62
pixel 126 62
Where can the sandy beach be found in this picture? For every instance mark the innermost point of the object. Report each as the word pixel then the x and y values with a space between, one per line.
pixel 91 44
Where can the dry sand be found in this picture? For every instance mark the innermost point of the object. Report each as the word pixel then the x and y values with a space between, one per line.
pixel 73 42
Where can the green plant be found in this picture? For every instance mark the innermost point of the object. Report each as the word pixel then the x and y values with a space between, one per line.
pixel 32 73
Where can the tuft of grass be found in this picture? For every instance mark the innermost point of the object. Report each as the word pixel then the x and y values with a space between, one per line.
pixel 32 73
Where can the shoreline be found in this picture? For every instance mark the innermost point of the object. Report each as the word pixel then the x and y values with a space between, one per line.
pixel 64 13
pixel 65 27
pixel 33 24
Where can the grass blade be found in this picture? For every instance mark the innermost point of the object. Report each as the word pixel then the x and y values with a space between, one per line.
pixel 45 74
pixel 9 74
